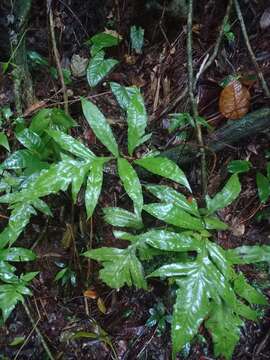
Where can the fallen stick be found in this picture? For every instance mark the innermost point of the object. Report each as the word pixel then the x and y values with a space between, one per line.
pixel 234 131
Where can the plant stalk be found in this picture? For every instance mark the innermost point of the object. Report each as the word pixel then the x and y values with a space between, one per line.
pixel 192 99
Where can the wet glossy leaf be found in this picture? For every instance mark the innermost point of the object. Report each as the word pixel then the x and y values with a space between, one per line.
pixel 10 295
pixel 31 141
pixel 131 183
pixel 247 292
pixel 173 215
pixel 239 166
pixel 123 94
pixel 121 266
pixel 7 272
pixel 78 180
pixel 249 254
pixel 98 68
pixel 4 141
pixel 17 254
pixel 100 126
pixel 122 218
pixel 68 143
pixel 234 100
pixel 18 219
pixel 263 185
pixel 171 241
pixel 169 195
pixel 41 206
pixel 224 327
pixel 189 311
pixel 21 159
pixel 137 121
pixel 137 37
pixel 164 167
pixel 226 196
pixel 213 223
pixel 101 41
pixel 175 270
pixel 51 118
pixel 37 58
pixel 93 186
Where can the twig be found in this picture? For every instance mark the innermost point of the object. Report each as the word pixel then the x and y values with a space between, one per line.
pixel 41 338
pixel 57 58
pixel 192 99
pixel 211 59
pixel 251 53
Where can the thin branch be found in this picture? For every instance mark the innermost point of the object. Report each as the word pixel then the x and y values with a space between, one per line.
pixel 192 99
pixel 251 53
pixel 57 57
pixel 41 338
pixel 211 59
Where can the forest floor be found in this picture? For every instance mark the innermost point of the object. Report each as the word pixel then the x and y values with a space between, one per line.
pixel 161 73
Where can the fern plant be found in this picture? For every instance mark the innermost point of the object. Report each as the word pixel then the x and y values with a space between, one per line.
pixel 209 290
pixel 52 160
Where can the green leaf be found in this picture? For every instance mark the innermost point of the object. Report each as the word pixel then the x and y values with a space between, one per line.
pixel 56 178
pixel 164 167
pixel 239 166
pixel 4 141
pixel 137 121
pixel 175 270
pixel 131 183
pixel 171 241
pixel 190 309
pixel 29 276
pixel 68 143
pixel 18 219
pixel 101 41
pixel 9 297
pixel 169 195
pixel 7 272
pixel 78 179
pixel 51 118
pixel 137 37
pixel 93 187
pixel 123 94
pixel 122 218
pixel 100 126
pixel 173 215
pixel 21 159
pixel 180 120
pixel 17 254
pixel 226 196
pixel 224 327
pixel 249 254
pixel 30 140
pixel 247 292
pixel 263 185
pixel 17 341
pixel 121 266
pixel 98 68
pixel 213 223
pixel 41 206
pixel 37 59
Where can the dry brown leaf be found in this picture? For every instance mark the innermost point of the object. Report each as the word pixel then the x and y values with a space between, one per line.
pixel 91 294
pixel 101 306
pixel 234 100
